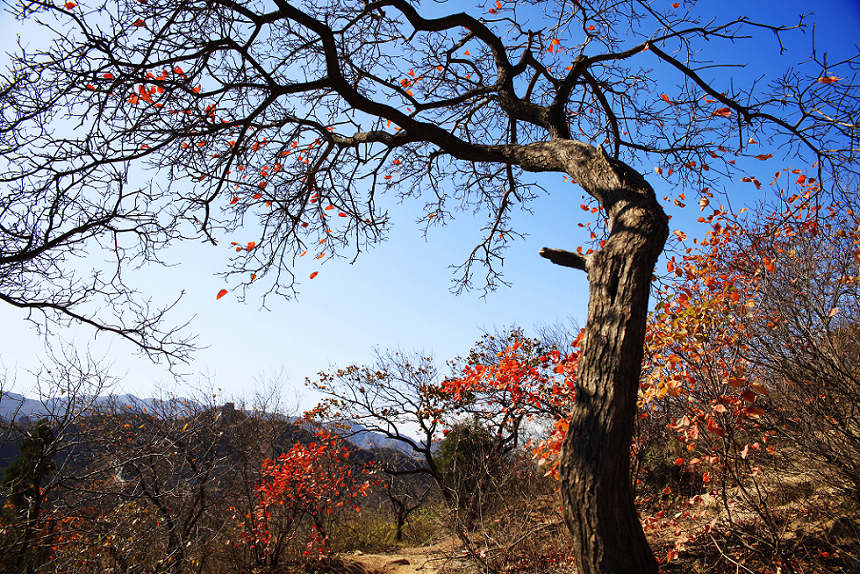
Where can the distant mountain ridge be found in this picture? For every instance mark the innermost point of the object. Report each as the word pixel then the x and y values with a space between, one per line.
pixel 25 409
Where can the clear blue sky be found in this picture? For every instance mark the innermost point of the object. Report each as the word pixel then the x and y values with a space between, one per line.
pixel 395 296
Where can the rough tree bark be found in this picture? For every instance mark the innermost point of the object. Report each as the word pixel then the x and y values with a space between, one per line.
pixel 597 496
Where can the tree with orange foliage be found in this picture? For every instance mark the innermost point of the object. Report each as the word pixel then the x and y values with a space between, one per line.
pixel 297 494
pixel 300 116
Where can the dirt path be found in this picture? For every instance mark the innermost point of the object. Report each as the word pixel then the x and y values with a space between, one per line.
pixel 418 560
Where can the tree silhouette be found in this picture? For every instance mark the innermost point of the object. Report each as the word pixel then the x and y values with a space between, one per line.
pixel 295 121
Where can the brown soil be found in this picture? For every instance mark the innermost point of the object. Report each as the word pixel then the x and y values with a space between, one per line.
pixel 419 560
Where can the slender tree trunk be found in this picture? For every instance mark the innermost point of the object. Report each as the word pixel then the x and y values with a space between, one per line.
pixel 597 494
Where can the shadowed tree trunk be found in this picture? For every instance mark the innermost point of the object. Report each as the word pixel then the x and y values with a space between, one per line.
pixel 597 496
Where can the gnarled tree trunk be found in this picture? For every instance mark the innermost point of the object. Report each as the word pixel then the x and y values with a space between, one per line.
pixel 597 496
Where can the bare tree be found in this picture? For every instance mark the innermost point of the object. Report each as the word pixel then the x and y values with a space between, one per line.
pixel 287 114
pixel 48 441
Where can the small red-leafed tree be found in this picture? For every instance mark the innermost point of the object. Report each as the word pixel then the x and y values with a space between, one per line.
pixel 299 117
pixel 297 495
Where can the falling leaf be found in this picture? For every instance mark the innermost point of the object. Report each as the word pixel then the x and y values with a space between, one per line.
pixel 220 294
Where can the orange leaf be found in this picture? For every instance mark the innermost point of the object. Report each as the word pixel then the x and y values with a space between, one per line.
pixel 467 53
pixel 341 214
pixel 314 274
pixel 139 23
pixel 722 112
pixel 736 382
pixel 321 255
pixel 764 156
pixel 329 207
pixel 70 5
pixel 251 245
pixel 220 294
pixel 828 80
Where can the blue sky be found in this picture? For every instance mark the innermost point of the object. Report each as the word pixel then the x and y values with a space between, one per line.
pixel 395 296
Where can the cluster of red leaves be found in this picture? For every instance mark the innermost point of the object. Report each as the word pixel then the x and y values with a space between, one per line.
pixel 297 493
pixel 523 384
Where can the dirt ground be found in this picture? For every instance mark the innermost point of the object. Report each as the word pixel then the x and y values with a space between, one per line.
pixel 418 560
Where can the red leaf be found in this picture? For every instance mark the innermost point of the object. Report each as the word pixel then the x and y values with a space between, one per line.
pixel 828 80
pixel 764 156
pixel 70 5
pixel 220 294
pixel 314 274
pixel 235 200
pixel 139 23
pixel 722 112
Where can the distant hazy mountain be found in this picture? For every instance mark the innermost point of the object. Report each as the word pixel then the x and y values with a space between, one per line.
pixel 23 409
pixel 19 406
